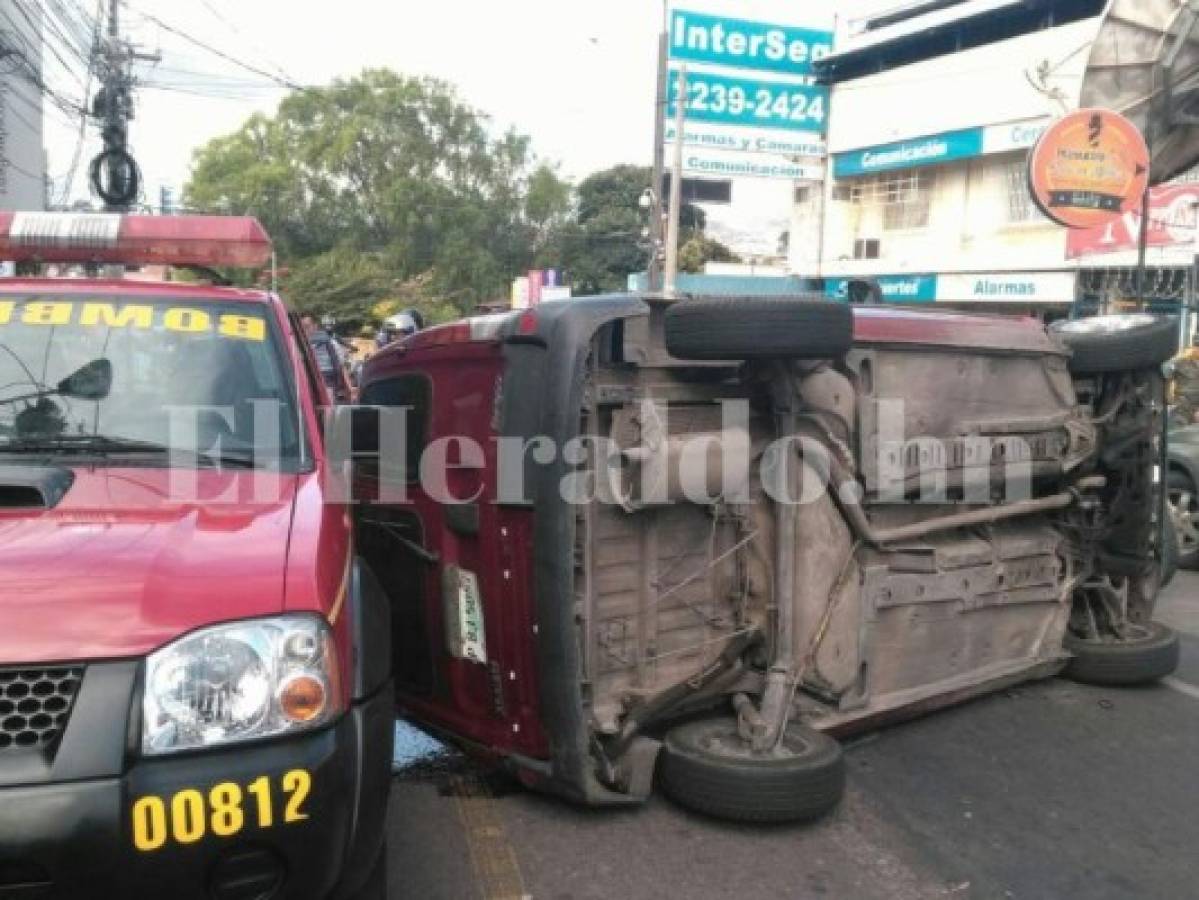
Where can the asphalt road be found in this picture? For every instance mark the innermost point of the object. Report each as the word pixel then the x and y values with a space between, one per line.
pixel 1051 790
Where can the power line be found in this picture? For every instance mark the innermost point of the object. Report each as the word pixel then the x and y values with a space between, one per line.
pixel 285 82
pixel 83 117
pixel 217 14
pixel 35 29
pixel 53 24
pixel 78 22
pixel 56 107
pixel 32 72
pixel 206 93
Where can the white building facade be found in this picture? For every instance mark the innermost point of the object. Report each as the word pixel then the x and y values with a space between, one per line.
pixel 22 153
pixel 934 108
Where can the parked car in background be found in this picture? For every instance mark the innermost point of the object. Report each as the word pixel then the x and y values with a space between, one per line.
pixel 195 688
pixel 1183 484
pixel 612 587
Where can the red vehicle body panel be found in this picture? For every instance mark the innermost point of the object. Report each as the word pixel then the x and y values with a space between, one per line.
pixel 495 706
pixel 119 568
pixel 884 325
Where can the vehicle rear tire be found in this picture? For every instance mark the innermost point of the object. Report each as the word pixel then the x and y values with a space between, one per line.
pixel 759 328
pixel 707 767
pixel 1184 504
pixel 1122 343
pixel 1117 663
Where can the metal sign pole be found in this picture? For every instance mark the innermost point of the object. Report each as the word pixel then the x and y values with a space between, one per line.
pixel 1142 249
pixel 656 213
pixel 676 188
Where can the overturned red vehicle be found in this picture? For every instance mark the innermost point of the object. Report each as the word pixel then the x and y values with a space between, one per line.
pixel 621 574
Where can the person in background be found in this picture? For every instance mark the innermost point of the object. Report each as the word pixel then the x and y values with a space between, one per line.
pixel 329 358
pixel 396 328
pixel 1184 386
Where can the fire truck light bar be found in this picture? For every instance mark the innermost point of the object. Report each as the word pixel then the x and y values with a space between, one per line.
pixel 231 241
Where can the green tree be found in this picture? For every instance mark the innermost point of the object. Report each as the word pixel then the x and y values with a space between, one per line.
pixel 547 204
pixel 700 249
pixel 380 179
pixel 605 242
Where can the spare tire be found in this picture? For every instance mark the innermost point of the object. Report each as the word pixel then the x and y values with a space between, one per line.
pixel 1121 343
pixel 759 328
pixel 707 767
pixel 1151 655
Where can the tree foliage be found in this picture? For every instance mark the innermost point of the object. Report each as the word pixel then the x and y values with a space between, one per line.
pixel 381 179
pixel 700 250
pixel 606 240
pixel 386 189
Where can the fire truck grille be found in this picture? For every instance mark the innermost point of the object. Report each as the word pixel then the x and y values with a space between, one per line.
pixel 34 706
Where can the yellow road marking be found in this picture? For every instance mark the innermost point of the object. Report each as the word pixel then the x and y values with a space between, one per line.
pixel 492 856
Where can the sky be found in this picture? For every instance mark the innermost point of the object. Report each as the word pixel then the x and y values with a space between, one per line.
pixel 578 76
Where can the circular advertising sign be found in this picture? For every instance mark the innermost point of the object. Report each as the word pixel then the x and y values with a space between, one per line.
pixel 1088 168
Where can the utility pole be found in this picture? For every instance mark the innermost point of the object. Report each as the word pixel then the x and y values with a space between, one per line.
pixel 676 188
pixel 114 173
pixel 656 212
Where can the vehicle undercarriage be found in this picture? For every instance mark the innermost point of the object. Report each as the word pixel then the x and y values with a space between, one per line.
pixel 984 509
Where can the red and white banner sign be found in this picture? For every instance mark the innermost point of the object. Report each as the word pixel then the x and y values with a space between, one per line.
pixel 1172 223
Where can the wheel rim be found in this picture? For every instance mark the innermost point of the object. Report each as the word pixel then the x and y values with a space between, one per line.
pixel 1184 510
pixel 728 743
pixel 1107 324
pixel 1133 634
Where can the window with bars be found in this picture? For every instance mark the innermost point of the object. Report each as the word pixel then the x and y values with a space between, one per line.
pixel 1014 179
pixel 905 197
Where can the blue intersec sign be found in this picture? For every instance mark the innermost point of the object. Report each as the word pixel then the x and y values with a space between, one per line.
pixel 925 151
pixel 733 100
pixel 741 44
pixel 895 288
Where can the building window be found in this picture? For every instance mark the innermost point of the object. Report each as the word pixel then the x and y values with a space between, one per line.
pixel 868 248
pixel 905 197
pixel 1020 207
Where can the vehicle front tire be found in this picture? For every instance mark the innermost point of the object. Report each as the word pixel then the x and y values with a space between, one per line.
pixel 758 328
pixel 707 767
pixel 1153 654
pixel 375 886
pixel 1121 343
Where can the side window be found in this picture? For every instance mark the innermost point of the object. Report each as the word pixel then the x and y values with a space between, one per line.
pixel 413 392
pixel 310 375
